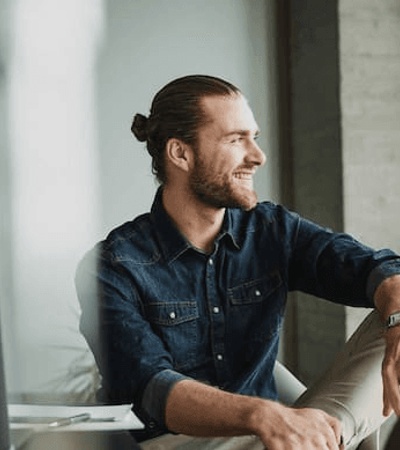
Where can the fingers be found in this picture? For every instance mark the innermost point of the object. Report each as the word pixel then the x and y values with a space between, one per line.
pixel 331 431
pixel 336 427
pixel 290 428
pixel 391 393
pixel 390 373
pixel 307 428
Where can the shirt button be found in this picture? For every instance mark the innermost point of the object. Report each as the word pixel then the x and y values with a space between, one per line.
pixel 258 293
pixel 211 262
pixel 172 315
pixel 220 357
pixel 215 310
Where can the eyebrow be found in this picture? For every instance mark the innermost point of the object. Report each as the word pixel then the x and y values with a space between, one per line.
pixel 242 133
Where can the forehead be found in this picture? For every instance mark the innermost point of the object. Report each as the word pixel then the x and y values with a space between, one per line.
pixel 228 113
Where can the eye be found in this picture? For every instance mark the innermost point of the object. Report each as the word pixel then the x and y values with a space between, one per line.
pixel 236 139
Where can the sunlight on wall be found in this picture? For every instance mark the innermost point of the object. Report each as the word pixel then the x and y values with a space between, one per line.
pixel 54 171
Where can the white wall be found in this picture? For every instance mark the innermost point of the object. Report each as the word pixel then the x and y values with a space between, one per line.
pixel 52 155
pixel 76 77
pixel 150 42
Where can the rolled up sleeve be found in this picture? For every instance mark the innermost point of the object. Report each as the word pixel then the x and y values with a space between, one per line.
pixel 155 396
pixel 380 273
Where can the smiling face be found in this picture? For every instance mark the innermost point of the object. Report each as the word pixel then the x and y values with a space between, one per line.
pixel 227 155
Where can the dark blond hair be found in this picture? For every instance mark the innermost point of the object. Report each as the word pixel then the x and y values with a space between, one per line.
pixel 176 113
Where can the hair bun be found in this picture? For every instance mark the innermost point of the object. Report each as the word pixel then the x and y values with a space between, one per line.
pixel 139 127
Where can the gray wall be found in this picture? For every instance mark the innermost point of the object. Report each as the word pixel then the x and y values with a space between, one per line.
pixel 344 104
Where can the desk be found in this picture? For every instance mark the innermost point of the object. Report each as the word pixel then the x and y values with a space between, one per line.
pixel 77 440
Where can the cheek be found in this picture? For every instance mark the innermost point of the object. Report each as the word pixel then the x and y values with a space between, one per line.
pixel 219 161
pixel 226 161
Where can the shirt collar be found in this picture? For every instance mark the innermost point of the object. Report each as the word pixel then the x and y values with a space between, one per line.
pixel 172 242
pixel 230 227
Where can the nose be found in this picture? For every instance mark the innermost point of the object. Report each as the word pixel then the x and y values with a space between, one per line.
pixel 255 155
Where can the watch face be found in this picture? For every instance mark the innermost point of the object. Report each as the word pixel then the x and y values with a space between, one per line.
pixel 393 319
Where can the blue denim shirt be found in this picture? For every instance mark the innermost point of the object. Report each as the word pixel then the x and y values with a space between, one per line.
pixel 167 311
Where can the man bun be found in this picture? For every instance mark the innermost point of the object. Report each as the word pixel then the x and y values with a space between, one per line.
pixel 139 127
pixel 176 112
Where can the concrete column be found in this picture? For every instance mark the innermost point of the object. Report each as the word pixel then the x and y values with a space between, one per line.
pixel 343 103
pixel 370 99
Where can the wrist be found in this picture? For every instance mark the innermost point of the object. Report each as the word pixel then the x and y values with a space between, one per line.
pixel 387 297
pixel 263 416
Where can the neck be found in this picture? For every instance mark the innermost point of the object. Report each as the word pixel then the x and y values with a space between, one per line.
pixel 198 222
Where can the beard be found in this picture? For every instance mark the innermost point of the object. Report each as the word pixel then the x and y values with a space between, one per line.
pixel 220 190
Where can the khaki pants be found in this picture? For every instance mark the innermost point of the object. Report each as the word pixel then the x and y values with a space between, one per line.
pixel 351 390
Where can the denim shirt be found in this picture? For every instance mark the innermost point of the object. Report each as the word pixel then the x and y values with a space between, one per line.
pixel 166 311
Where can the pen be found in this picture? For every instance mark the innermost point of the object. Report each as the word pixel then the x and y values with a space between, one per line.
pixel 70 420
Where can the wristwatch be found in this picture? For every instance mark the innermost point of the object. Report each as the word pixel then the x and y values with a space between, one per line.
pixel 393 320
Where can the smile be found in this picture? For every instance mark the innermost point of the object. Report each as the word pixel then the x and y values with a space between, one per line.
pixel 244 175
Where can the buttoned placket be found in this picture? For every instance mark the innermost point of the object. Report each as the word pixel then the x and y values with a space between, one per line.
pixel 217 317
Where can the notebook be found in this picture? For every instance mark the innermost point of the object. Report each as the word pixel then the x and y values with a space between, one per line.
pixel 4 431
pixel 19 436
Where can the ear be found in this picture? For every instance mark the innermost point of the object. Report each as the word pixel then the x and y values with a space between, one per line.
pixel 179 153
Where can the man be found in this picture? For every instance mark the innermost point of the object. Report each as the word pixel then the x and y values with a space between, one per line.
pixel 190 297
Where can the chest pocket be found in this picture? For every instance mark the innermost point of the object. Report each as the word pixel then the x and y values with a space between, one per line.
pixel 256 309
pixel 255 291
pixel 177 325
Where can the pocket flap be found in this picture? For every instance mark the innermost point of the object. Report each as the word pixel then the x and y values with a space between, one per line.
pixel 172 313
pixel 255 291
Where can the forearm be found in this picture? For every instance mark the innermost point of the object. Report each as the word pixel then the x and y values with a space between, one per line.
pixel 200 410
pixel 387 296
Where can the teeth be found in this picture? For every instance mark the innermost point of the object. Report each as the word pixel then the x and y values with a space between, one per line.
pixel 244 176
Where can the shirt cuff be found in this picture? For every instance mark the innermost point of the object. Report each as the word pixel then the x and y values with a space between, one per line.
pixel 155 395
pixel 379 274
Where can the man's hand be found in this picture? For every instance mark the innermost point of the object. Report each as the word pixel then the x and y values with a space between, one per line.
pixel 387 301
pixel 305 428
pixel 391 372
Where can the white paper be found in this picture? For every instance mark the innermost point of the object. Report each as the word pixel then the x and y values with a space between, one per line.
pixel 114 416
